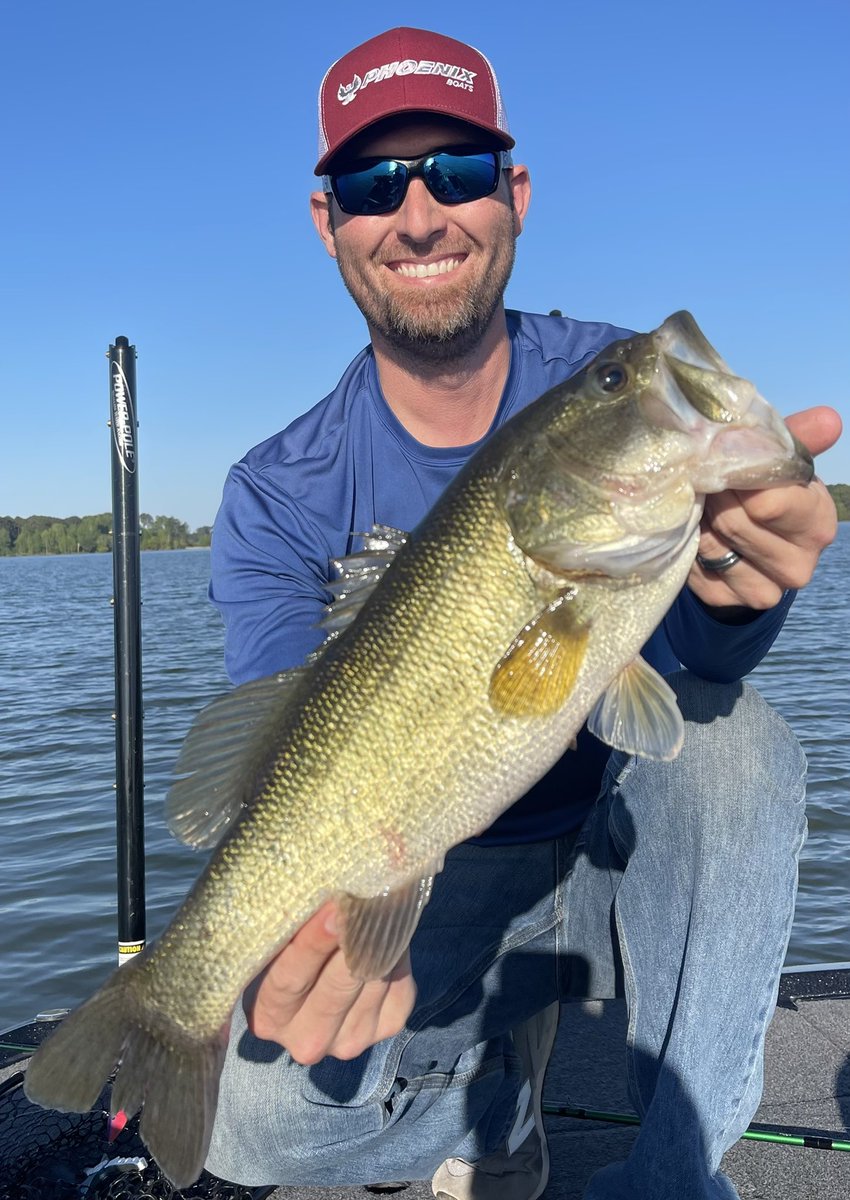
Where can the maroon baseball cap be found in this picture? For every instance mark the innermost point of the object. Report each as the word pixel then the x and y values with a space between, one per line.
pixel 407 70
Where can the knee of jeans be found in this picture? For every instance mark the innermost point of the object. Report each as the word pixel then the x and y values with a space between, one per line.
pixel 740 762
pixel 274 1122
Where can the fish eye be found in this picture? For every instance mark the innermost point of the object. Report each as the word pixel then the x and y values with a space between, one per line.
pixel 612 378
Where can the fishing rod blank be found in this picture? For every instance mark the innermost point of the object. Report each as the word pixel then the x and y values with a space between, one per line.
pixel 126 569
pixel 778 1134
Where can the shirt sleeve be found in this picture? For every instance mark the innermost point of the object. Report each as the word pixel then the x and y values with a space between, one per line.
pixel 717 651
pixel 269 566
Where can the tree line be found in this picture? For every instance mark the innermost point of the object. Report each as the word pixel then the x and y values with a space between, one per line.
pixel 92 535
pixel 840 493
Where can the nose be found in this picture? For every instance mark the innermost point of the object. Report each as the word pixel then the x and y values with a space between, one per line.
pixel 420 217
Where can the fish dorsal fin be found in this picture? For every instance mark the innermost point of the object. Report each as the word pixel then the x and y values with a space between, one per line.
pixel 357 575
pixel 223 753
pixel 536 675
pixel 377 931
pixel 638 713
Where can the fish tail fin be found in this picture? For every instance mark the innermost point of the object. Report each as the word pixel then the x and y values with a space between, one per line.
pixel 71 1066
pixel 173 1075
pixel 179 1079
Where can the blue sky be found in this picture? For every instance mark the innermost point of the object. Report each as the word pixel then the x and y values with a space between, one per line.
pixel 158 157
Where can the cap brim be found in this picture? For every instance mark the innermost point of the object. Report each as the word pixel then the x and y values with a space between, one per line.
pixel 504 139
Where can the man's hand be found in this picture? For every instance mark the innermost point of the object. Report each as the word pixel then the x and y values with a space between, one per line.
pixel 308 1002
pixel 779 532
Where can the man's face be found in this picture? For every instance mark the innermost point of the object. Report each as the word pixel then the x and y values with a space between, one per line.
pixel 466 250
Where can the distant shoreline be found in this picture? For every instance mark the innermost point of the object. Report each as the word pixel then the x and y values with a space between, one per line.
pixel 96 553
pixel 25 537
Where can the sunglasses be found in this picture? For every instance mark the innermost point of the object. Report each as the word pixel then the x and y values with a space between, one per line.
pixel 379 185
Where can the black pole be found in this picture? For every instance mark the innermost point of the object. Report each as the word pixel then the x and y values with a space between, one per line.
pixel 126 570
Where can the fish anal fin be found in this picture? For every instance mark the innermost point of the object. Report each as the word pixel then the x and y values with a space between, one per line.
pixel 638 713
pixel 224 753
pixel 537 674
pixel 377 930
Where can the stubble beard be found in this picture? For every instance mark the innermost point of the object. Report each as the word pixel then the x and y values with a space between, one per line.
pixel 433 326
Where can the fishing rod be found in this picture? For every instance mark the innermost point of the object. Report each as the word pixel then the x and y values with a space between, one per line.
pixel 778 1134
pixel 126 600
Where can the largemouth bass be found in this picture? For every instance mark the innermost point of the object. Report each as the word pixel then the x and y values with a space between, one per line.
pixel 514 612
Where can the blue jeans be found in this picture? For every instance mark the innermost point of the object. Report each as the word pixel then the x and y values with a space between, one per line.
pixel 678 893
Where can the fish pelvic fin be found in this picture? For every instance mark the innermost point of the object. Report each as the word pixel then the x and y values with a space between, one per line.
pixel 537 674
pixel 223 756
pixel 638 713
pixel 377 930
pixel 172 1074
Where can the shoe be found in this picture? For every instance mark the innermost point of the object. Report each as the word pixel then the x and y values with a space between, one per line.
pixel 518 1170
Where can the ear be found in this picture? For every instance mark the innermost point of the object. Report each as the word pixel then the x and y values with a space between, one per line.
pixel 320 211
pixel 519 181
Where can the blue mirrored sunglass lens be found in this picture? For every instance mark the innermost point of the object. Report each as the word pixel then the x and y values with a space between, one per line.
pixel 450 178
pixel 454 179
pixel 375 189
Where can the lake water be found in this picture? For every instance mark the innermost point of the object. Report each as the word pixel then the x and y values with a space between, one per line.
pixel 57 904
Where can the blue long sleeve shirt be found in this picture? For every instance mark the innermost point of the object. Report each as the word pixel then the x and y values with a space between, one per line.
pixel 300 498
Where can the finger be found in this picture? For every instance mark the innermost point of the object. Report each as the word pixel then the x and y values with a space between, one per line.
pixel 314 1027
pixel 381 1011
pixel 281 989
pixel 768 565
pixel 818 428
pixel 802 518
pixel 344 1015
pixel 361 1026
pixel 740 586
pixel 397 1007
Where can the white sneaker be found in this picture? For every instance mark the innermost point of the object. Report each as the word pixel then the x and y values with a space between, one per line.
pixel 518 1170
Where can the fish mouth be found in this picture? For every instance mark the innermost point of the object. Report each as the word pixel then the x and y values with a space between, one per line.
pixel 757 458
pixel 680 337
pixel 745 443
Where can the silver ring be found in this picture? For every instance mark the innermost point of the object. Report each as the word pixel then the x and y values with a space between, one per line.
pixel 719 564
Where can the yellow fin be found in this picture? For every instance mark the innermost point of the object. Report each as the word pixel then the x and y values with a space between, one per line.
pixel 639 714
pixel 536 676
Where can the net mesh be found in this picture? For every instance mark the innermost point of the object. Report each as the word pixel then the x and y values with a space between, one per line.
pixel 46 1155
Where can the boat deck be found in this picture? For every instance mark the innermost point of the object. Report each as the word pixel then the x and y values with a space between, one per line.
pixel 807 1087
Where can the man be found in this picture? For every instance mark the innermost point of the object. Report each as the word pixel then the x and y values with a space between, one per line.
pixel 676 887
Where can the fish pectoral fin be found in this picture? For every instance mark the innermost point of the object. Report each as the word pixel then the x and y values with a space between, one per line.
pixel 377 930
pixel 536 675
pixel 638 713
pixel 223 756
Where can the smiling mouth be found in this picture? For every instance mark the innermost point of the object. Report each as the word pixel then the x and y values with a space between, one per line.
pixel 425 270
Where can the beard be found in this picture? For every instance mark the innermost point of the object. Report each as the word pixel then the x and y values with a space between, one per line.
pixel 434 326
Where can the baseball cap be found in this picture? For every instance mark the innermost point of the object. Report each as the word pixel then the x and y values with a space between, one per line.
pixel 407 70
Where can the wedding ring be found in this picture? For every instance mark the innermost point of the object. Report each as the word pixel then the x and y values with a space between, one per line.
pixel 719 564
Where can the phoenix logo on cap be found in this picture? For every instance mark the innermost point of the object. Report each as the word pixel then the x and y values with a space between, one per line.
pixel 453 75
